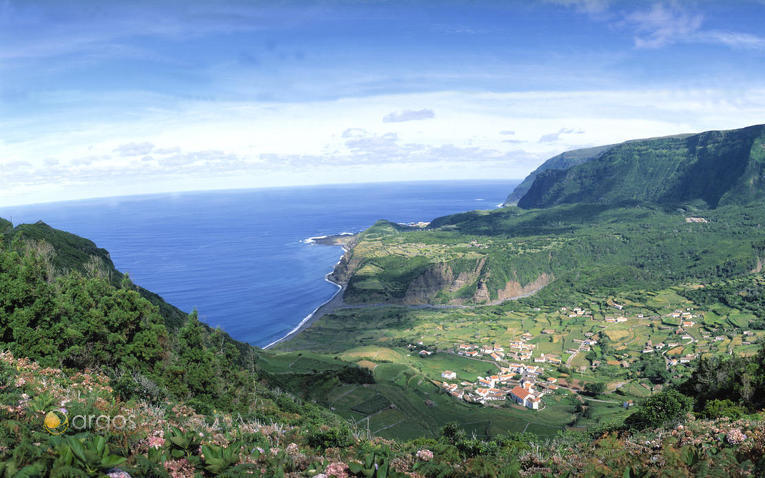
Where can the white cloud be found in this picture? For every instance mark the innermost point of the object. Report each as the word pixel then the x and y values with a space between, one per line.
pixel 134 149
pixel 203 145
pixel 556 136
pixel 588 6
pixel 408 115
pixel 663 24
pixel 733 39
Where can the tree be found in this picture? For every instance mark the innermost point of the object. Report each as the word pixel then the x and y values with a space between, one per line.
pixel 195 361
pixel 655 369
pixel 660 409
pixel 722 408
pixel 595 388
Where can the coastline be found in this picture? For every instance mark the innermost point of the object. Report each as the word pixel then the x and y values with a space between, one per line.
pixel 347 241
pixel 336 301
pixel 327 307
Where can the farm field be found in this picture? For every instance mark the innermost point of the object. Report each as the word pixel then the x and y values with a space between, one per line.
pixel 609 303
pixel 406 399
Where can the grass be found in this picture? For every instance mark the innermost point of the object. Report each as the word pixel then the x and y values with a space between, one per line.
pixel 633 257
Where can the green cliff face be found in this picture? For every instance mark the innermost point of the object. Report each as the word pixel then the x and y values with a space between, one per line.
pixel 562 161
pixel 708 169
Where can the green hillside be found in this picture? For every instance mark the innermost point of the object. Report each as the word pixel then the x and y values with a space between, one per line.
pixel 709 169
pixel 483 257
pixel 364 402
pixel 625 296
pixel 564 160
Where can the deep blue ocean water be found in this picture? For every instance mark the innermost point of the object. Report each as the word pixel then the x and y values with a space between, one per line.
pixel 239 257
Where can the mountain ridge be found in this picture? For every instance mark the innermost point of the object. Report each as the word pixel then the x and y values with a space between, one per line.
pixel 565 160
pixel 707 169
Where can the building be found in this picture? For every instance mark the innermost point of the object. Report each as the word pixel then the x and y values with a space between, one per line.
pixel 528 381
pixel 450 387
pixel 449 375
pixel 490 393
pixel 525 397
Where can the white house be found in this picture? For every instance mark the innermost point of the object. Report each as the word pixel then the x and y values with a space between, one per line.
pixel 525 397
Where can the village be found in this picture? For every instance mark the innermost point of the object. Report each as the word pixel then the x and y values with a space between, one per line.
pixel 521 377
pixel 516 381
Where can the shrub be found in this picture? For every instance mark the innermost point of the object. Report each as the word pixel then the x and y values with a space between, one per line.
pixel 660 409
pixel 595 388
pixel 722 408
pixel 325 437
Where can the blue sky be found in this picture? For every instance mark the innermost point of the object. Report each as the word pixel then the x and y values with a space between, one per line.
pixel 103 98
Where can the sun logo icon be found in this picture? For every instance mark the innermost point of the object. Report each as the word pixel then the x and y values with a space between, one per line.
pixel 56 422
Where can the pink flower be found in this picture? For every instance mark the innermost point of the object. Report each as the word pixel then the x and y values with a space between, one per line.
pixel 156 442
pixel 735 436
pixel 292 449
pixel 425 455
pixel 337 469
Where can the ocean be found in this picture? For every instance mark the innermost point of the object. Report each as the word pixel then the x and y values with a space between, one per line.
pixel 240 257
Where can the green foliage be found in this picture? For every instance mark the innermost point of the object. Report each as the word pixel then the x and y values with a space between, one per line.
pixel 218 460
pixel 323 437
pixel 582 248
pixel 87 453
pixel 716 167
pixel 660 409
pixel 737 379
pixel 75 321
pixel 595 388
pixel 654 368
pixel 374 465
pixel 562 161
pixel 722 408
pixel 744 293
pixel 183 444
